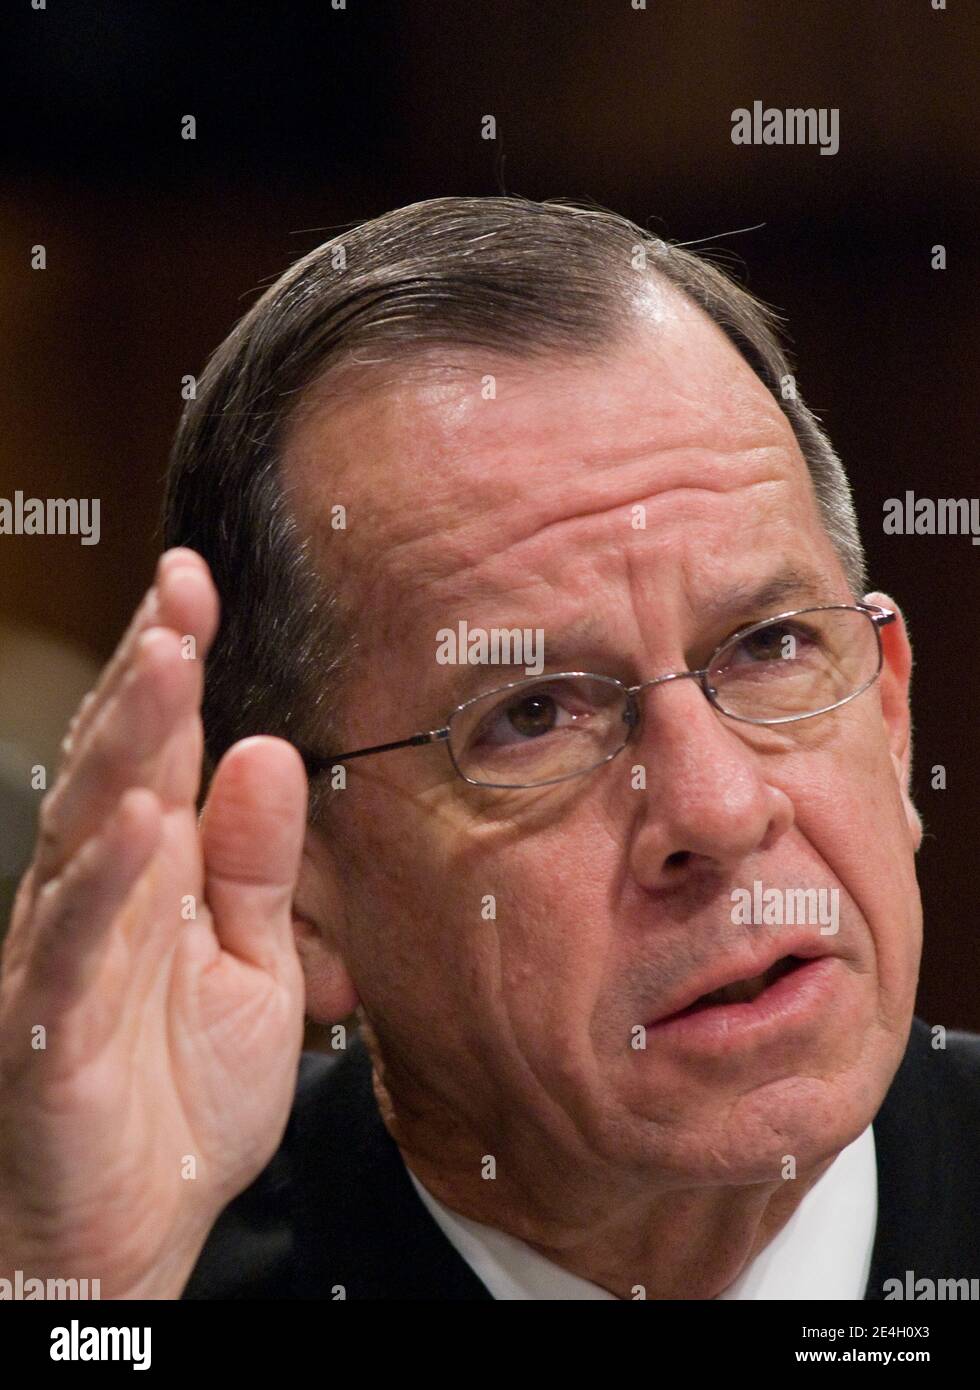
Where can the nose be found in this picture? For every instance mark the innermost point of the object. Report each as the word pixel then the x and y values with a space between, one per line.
pixel 707 804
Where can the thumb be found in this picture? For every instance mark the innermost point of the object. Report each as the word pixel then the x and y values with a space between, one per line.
pixel 252 832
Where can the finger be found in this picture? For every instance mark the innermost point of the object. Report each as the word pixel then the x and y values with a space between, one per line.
pixel 183 598
pixel 146 614
pixel 124 749
pixel 74 913
pixel 252 832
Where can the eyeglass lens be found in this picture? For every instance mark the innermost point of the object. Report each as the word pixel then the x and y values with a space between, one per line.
pixel 548 728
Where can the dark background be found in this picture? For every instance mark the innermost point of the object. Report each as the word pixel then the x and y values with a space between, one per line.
pixel 309 118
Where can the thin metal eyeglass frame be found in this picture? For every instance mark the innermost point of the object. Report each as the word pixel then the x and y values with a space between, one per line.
pixel 878 617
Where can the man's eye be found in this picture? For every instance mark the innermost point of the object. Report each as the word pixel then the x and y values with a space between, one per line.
pixel 780 642
pixel 527 718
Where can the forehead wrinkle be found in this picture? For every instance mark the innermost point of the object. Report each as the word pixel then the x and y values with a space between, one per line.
pixel 425 497
pixel 614 510
pixel 489 587
pixel 412 534
pixel 500 590
pixel 611 536
pixel 466 437
pixel 465 545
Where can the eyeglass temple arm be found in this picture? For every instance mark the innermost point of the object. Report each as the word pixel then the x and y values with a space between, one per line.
pixel 317 763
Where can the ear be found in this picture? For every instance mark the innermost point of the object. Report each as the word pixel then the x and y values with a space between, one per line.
pixel 318 927
pixel 896 673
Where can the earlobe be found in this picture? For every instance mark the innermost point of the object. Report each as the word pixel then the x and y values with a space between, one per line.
pixel 330 992
pixel 912 817
pixel 318 922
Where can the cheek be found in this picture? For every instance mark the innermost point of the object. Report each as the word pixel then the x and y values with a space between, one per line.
pixel 422 948
pixel 496 934
pixel 850 810
pixel 557 931
pixel 553 932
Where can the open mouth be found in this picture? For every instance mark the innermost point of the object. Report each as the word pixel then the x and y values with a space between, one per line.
pixel 744 991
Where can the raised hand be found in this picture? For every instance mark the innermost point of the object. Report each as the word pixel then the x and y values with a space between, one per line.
pixel 151 997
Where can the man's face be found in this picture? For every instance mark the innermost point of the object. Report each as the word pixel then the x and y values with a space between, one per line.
pixel 511 947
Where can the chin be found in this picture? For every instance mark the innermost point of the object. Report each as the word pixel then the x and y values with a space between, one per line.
pixel 747 1139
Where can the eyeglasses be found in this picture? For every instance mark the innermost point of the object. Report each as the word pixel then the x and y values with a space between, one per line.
pixel 545 729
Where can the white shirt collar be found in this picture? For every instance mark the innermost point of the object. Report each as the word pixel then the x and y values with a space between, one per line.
pixel 823 1251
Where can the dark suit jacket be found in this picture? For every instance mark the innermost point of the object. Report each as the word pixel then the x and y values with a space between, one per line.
pixel 335 1205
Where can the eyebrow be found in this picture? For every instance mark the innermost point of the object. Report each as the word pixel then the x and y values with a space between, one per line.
pixel 790 584
pixel 585 642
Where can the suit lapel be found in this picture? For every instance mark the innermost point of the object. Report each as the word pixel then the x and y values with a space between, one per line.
pixel 359 1223
pixel 927 1142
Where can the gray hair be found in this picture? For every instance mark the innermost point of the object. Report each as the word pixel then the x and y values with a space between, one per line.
pixel 503 273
